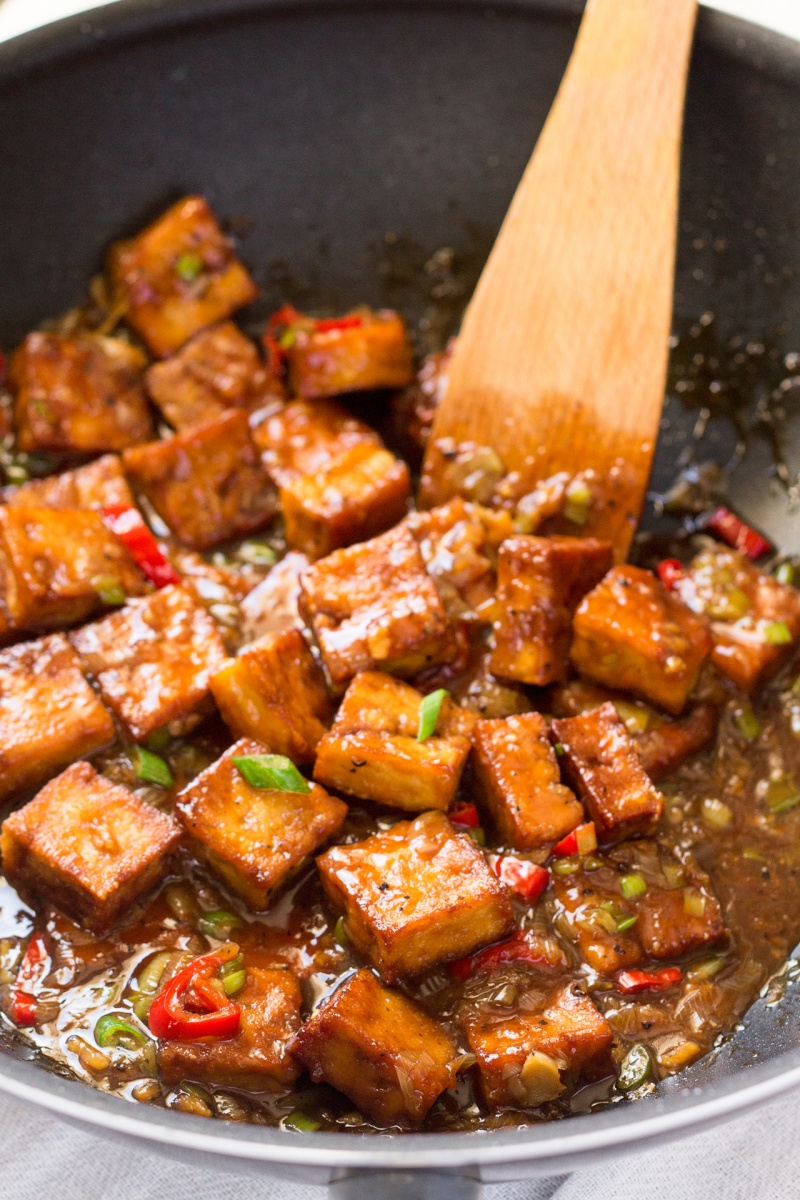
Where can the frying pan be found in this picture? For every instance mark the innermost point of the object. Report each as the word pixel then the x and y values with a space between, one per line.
pixel 345 143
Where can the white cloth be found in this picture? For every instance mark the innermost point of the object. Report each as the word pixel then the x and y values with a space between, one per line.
pixel 751 1158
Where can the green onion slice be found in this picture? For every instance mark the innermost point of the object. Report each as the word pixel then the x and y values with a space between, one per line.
pixel 634 1068
pixel 112 1030
pixel 219 924
pixel 477 835
pixel 340 934
pixel 782 794
pixel 109 589
pixel 777 633
pixel 785 573
pixel 271 772
pixel 626 923
pixel 748 723
pixel 258 554
pixel 632 886
pixel 694 902
pixel 151 768
pixel 301 1122
pixel 429 711
pixel 234 982
pixel 189 267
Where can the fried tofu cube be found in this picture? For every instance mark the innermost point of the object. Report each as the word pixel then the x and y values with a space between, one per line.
pixel 177 276
pixel 275 693
pixel 96 485
pixel 527 1055
pixel 360 352
pixel 58 564
pixel 379 1048
pixel 631 633
pixel 592 907
pixel 78 393
pixel 273 605
pixel 541 582
pixel 373 752
pixel 374 606
pixel 152 661
pixel 49 716
pixel 416 895
pixel 218 369
pixel 337 482
pixel 519 781
pixel 254 839
pixel 207 483
pixel 88 846
pixel 677 921
pixel 755 619
pixel 600 760
pixel 258 1056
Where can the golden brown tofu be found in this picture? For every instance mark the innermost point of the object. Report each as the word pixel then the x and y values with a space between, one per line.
pixel 379 1048
pixel 218 369
pixel 592 910
pixel 371 351
pixel 78 393
pixel 96 485
pixel 755 619
pixel 672 923
pixel 254 839
pixel 600 761
pixel 258 1056
pixel 177 276
pixel 519 781
pixel 528 1054
pixel 88 846
pixel 337 482
pixel 374 606
pixel 373 752
pixel 631 633
pixel 478 690
pixel 207 483
pixel 152 661
pixel 275 693
pixel 541 582
pixel 49 716
pixel 416 895
pixel 273 605
pixel 59 566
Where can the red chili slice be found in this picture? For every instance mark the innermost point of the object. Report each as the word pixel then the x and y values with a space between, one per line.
pixel 31 972
pixel 734 532
pixel 278 323
pixel 516 949
pixel 670 572
pixel 582 840
pixel 525 878
pixel 631 982
pixel 338 323
pixel 128 524
pixel 190 1006
pixel 465 814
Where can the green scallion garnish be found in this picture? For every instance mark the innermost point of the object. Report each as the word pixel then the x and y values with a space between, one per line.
pixel 258 554
pixel 429 710
pixel 785 573
pixel 477 834
pixel 112 1031
pixel 189 267
pixel 271 772
pixel 300 1122
pixel 777 633
pixel 219 924
pixel 747 723
pixel 151 768
pixel 626 923
pixel 109 589
pixel 632 886
pixel 340 934
pixel 234 982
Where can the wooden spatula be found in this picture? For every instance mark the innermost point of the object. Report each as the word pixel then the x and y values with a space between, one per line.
pixel 561 361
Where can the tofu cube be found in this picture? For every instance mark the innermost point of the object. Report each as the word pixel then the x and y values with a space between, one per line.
pixel 207 483
pixel 416 895
pixel 589 901
pixel 258 1057
pixel 519 781
pixel 78 393
pixel 218 369
pixel 177 276
pixel 273 605
pixel 56 565
pixel 379 1048
pixel 95 485
pixel 677 921
pixel 88 846
pixel 152 661
pixel 49 716
pixel 744 607
pixel 372 751
pixel 541 582
pixel 254 839
pixel 528 1055
pixel 374 606
pixel 371 351
pixel 631 633
pixel 601 763
pixel 275 693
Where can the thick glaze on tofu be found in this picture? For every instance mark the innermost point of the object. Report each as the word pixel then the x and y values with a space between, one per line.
pixel 541 582
pixel 374 606
pixel 95 485
pixel 56 564
pixel 668 926
pixel 218 369
pixel 529 1053
pixel 88 846
pixel 631 633
pixel 416 895
pixel 600 760
pixel 337 482
pixel 375 353
pixel 372 750
pixel 207 483
pixel 254 839
pixel 593 907
pixel 275 693
pixel 517 774
pixel 413 409
pixel 273 605
pixel 78 393
pixel 152 661
pixel 379 1048
pixel 177 276
pixel 49 716
pixel 744 606
pixel 258 1056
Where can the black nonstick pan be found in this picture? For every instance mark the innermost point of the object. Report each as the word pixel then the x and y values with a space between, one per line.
pixel 346 144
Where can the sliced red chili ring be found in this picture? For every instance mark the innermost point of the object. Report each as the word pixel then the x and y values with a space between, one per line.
pixel 517 948
pixel 31 972
pixel 190 1005
pixel 331 323
pixel 632 982
pixel 732 530
pixel 670 572
pixel 465 814
pixel 128 524
pixel 582 840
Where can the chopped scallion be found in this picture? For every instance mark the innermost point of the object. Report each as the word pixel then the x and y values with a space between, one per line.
pixel 259 554
pixel 340 934
pixel 694 902
pixel 300 1122
pixel 632 886
pixel 785 573
pixel 477 835
pixel 109 589
pixel 626 923
pixel 112 1030
pixel 559 749
pixel 782 794
pixel 747 723
pixel 234 982
pixel 565 866
pixel 271 772
pixel 715 813
pixel 635 717
pixel 189 267
pixel 577 499
pixel 429 710
pixel 777 633
pixel 219 924
pixel 150 768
